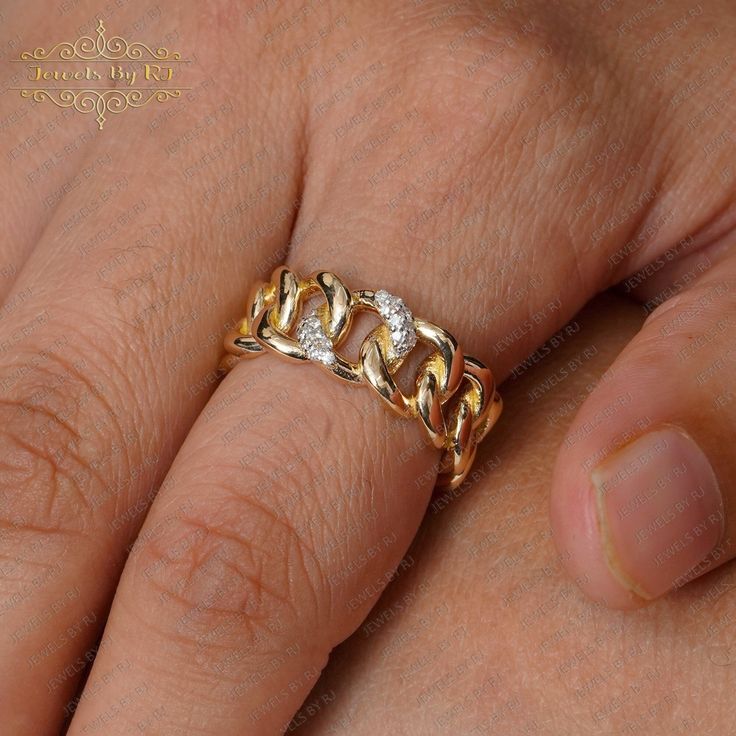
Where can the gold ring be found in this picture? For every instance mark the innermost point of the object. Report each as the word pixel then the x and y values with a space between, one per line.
pixel 454 397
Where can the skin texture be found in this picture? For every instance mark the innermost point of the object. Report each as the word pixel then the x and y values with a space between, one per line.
pixel 495 164
pixel 483 632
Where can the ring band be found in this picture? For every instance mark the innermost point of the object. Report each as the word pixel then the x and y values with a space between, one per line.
pixel 455 397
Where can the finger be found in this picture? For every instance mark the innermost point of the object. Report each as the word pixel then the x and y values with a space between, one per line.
pixel 111 350
pixel 44 150
pixel 486 634
pixel 447 648
pixel 268 528
pixel 642 500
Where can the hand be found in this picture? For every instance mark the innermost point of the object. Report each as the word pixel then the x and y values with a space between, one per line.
pixel 494 170
pixel 482 632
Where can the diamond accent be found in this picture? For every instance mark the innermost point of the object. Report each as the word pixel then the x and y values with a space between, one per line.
pixel 312 338
pixel 400 322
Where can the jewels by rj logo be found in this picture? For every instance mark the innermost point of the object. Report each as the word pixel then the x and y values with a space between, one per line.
pixel 141 73
pixel 115 74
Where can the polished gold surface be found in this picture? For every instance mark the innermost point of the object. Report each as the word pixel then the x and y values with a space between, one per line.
pixel 454 396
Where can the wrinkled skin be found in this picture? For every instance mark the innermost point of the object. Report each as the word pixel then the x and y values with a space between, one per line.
pixel 483 632
pixel 497 165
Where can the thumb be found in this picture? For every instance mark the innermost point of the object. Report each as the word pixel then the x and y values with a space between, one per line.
pixel 643 490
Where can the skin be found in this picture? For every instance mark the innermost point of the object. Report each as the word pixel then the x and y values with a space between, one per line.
pixel 436 152
pixel 484 632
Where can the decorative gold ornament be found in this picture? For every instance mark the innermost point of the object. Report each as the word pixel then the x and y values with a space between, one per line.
pixel 87 48
pixel 102 100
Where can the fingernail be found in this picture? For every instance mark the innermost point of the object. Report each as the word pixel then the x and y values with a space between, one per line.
pixel 660 511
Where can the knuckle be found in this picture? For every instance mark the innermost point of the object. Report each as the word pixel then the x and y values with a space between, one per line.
pixel 36 475
pixel 233 562
pixel 488 52
pixel 59 434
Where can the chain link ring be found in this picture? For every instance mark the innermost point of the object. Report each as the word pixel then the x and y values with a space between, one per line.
pixel 454 396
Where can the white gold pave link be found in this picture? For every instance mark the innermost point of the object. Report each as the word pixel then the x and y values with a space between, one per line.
pixel 400 322
pixel 312 338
